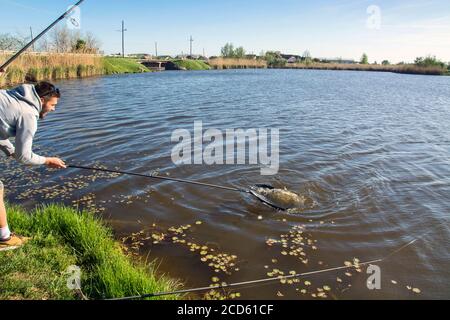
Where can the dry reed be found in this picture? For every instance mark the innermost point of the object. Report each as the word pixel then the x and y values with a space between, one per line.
pixel 50 66
pixel 405 68
pixel 231 63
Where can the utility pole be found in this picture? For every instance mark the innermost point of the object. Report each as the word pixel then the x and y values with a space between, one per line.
pixel 32 38
pixel 191 41
pixel 123 38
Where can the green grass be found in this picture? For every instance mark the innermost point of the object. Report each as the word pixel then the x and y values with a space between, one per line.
pixel 113 65
pixel 192 64
pixel 63 237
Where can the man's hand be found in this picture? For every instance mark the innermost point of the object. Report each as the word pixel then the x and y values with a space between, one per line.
pixel 55 163
pixel 2 72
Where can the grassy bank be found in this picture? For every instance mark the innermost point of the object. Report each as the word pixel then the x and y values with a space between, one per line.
pixel 406 68
pixel 191 65
pixel 122 65
pixel 61 238
pixel 53 66
pixel 230 63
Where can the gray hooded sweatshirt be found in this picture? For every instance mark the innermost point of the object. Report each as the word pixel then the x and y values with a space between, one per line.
pixel 19 114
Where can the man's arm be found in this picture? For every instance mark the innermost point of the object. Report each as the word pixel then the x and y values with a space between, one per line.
pixel 25 131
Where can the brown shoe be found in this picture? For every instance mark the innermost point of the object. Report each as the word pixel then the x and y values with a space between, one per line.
pixel 14 242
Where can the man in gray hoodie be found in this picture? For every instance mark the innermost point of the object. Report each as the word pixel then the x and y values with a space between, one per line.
pixel 20 109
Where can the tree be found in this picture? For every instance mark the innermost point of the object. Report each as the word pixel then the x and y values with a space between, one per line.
pixel 429 61
pixel 92 43
pixel 275 60
pixel 385 63
pixel 364 59
pixel 61 41
pixel 307 58
pixel 80 46
pixel 239 53
pixel 228 50
pixel 11 43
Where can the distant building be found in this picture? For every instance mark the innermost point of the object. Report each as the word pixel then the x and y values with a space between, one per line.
pixel 194 57
pixel 291 57
pixel 163 57
pixel 138 55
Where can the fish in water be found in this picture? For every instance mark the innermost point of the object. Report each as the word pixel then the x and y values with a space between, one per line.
pixel 281 198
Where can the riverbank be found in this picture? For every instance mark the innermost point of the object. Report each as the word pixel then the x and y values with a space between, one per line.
pixel 230 63
pixel 53 66
pixel 62 237
pixel 191 65
pixel 122 65
pixel 405 68
pixel 37 67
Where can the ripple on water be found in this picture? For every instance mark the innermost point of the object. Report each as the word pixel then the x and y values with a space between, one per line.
pixel 371 158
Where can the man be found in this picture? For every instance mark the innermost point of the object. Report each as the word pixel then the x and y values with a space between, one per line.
pixel 20 109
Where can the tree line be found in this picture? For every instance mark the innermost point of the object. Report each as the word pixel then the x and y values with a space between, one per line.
pixel 59 40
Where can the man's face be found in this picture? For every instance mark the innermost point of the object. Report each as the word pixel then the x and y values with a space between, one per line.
pixel 48 105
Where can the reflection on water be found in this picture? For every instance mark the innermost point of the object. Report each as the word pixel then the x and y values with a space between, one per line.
pixel 369 151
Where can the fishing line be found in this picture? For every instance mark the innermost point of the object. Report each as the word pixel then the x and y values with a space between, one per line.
pixel 266 280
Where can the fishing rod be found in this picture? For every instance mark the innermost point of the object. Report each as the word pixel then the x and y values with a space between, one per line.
pixel 208 185
pixel 256 191
pixel 15 56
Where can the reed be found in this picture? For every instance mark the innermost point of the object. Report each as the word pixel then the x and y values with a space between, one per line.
pixel 404 68
pixel 50 66
pixel 234 63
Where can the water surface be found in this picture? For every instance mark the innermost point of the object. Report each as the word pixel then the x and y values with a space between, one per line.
pixel 369 150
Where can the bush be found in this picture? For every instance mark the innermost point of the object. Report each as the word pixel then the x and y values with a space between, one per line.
pixel 274 60
pixel 429 61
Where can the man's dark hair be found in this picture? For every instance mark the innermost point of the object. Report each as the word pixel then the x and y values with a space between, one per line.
pixel 47 90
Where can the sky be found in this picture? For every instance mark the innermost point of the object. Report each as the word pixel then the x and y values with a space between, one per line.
pixel 396 30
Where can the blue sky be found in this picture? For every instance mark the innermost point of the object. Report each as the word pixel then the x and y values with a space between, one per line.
pixel 326 28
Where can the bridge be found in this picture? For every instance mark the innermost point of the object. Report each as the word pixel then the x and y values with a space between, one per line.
pixel 154 65
pixel 159 65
